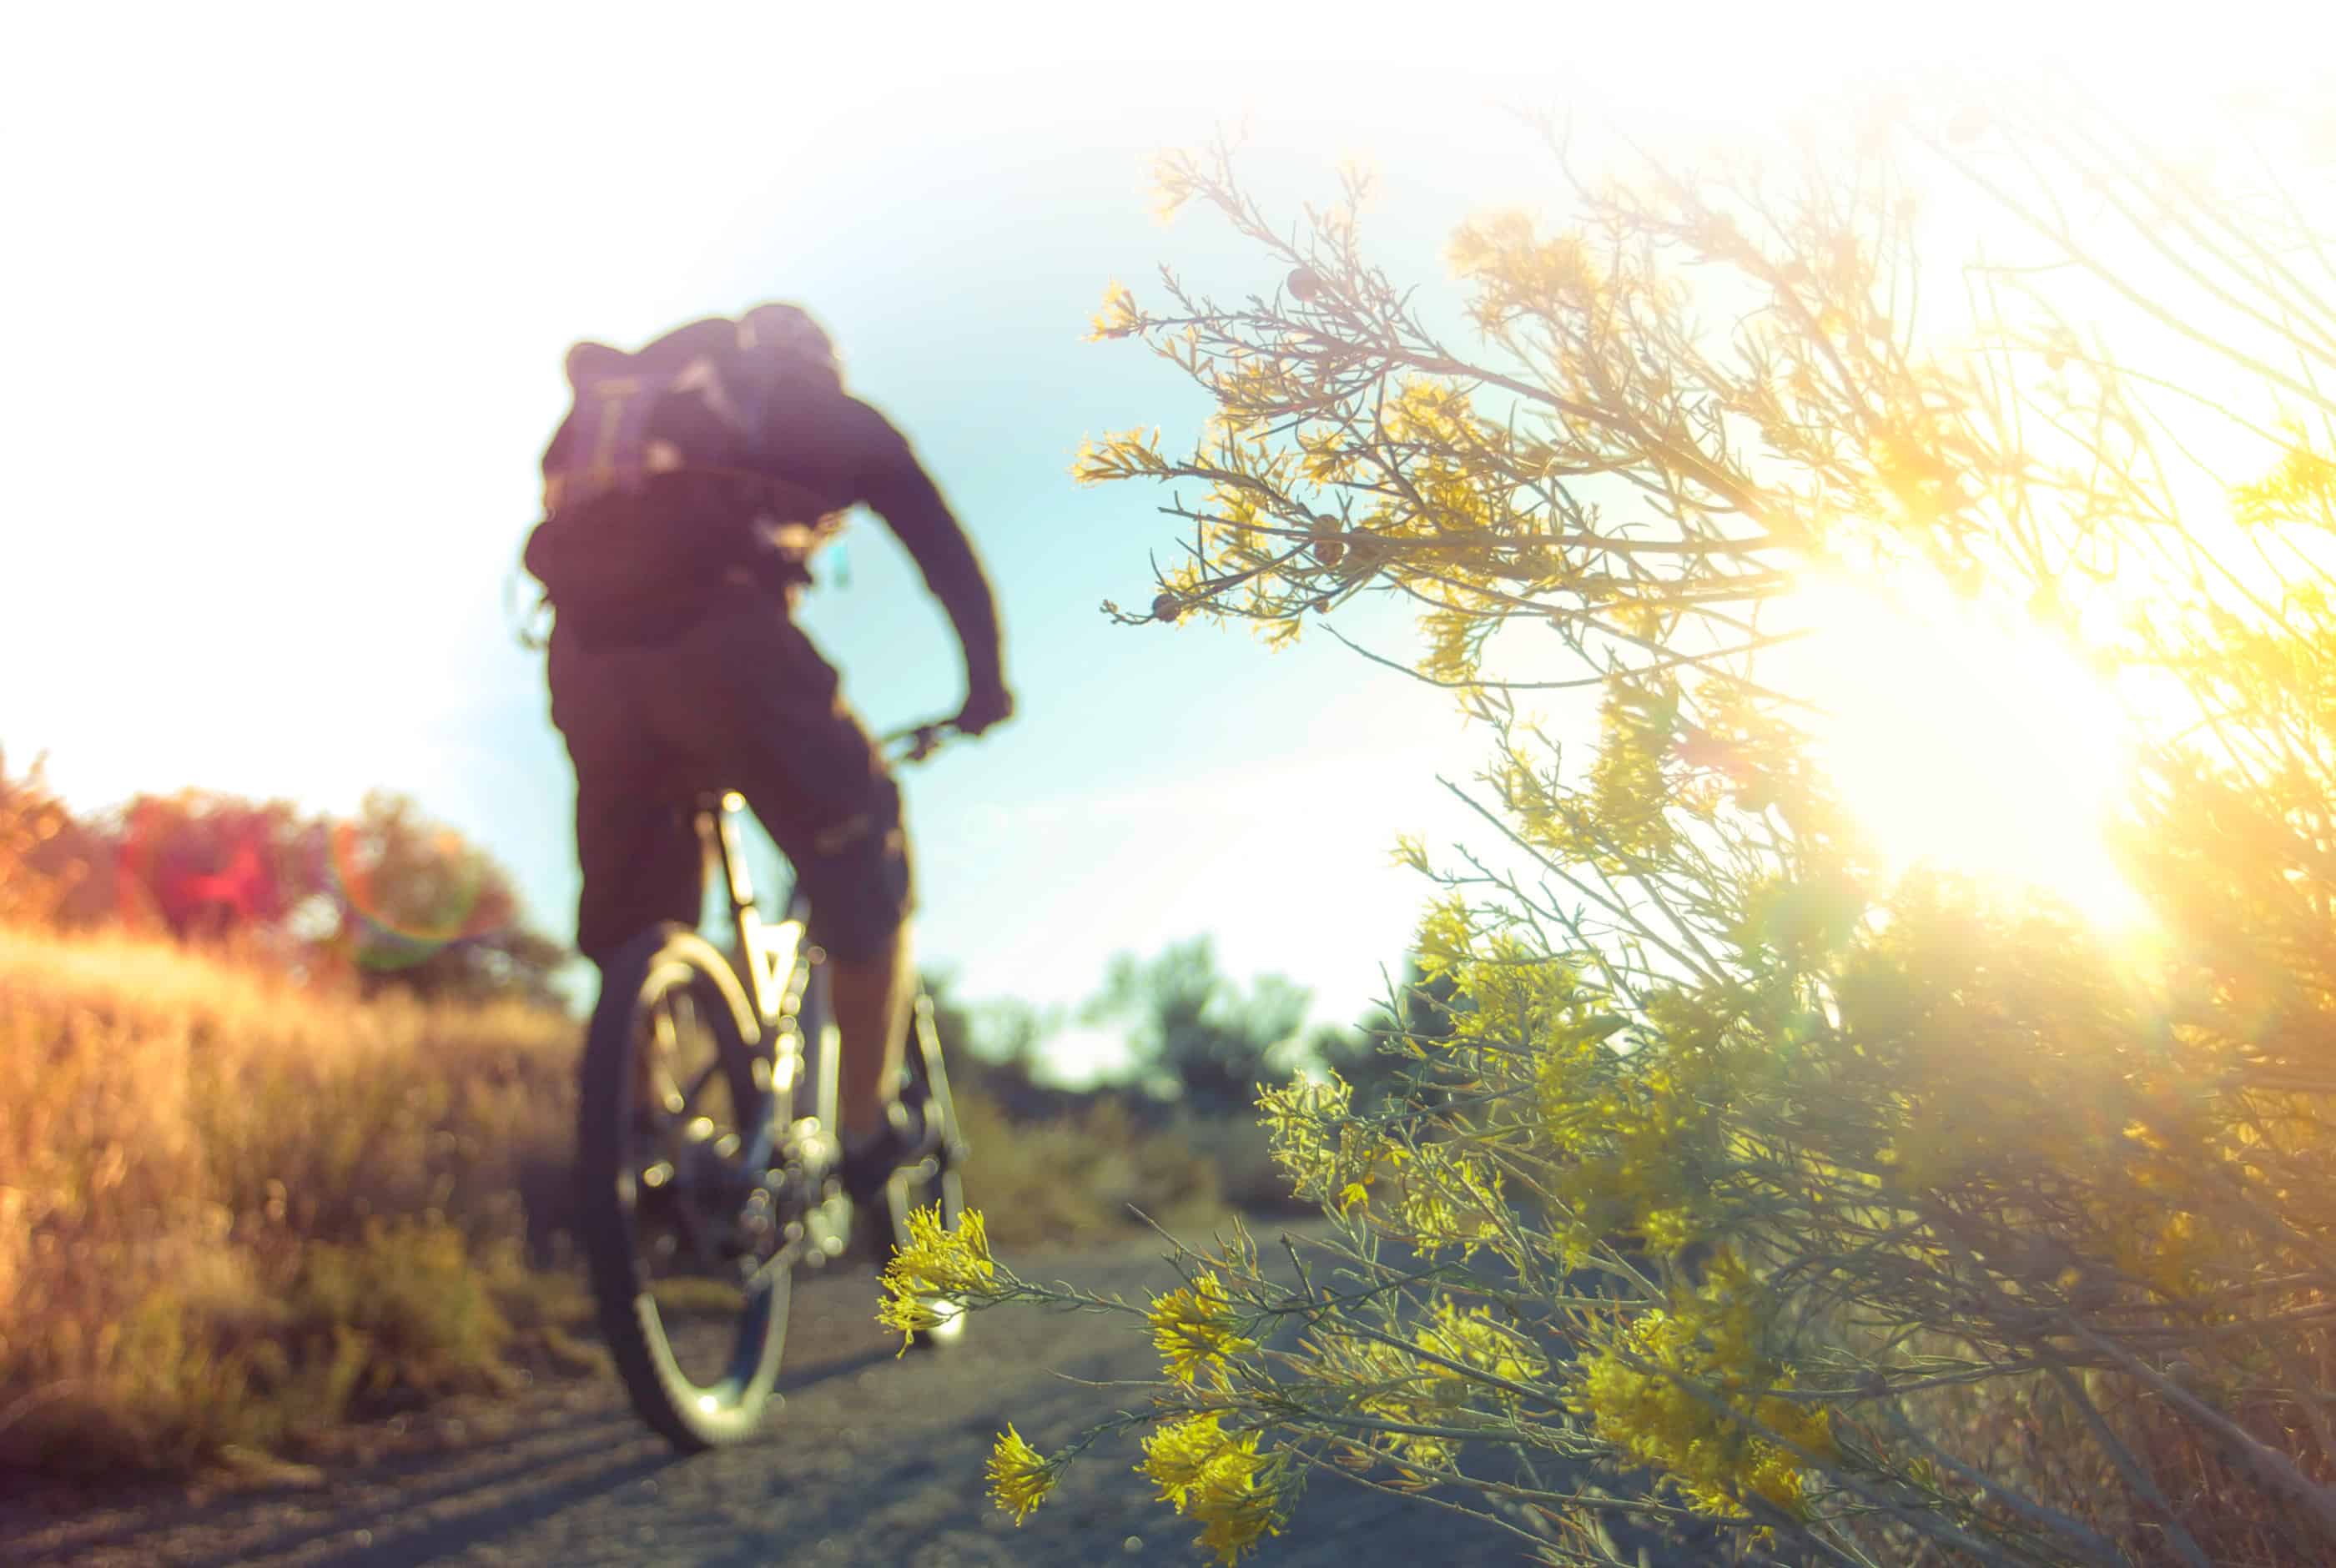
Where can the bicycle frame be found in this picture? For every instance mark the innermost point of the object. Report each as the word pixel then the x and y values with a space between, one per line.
pixel 767 952
pixel 776 959
pixel 775 962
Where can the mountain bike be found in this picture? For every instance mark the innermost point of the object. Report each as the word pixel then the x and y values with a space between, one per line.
pixel 708 1149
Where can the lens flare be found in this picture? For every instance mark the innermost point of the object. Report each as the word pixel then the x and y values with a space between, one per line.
pixel 452 907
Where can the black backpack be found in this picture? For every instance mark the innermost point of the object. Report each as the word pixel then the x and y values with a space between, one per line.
pixel 654 479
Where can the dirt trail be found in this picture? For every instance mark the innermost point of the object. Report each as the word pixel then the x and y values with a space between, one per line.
pixel 873 1461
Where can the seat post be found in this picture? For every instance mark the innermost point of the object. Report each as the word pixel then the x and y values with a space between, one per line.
pixel 705 815
pixel 717 830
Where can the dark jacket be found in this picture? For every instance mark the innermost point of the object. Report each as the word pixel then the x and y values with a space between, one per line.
pixel 826 451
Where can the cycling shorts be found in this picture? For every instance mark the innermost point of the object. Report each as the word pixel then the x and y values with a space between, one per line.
pixel 737 699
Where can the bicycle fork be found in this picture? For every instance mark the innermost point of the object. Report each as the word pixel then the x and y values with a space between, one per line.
pixel 800 1189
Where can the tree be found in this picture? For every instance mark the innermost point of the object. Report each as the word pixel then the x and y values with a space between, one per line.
pixel 1379 1058
pixel 203 867
pixel 42 856
pixel 994 1050
pixel 1787 1189
pixel 384 899
pixel 415 907
pixel 1194 1031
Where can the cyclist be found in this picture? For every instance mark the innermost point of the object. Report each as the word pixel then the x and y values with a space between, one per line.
pixel 695 677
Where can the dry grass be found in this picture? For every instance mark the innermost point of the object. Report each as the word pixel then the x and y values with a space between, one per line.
pixel 1081 1177
pixel 2028 1433
pixel 231 1209
pixel 235 1210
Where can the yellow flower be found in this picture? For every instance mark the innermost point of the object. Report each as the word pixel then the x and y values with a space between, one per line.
pixel 1444 933
pixel 1668 1230
pixel 1194 1327
pixel 1118 455
pixel 1473 1338
pixel 2301 488
pixel 910 1315
pixel 1302 1120
pixel 1119 316
pixel 1633 1391
pixel 936 1265
pixel 1447 1198
pixel 1019 1475
pixel 1238 1496
pixel 1238 1503
pixel 1176 1452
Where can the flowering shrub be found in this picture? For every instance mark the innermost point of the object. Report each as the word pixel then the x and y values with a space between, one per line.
pixel 32 821
pixel 1758 1185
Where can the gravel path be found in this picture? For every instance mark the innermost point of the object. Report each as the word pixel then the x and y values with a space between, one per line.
pixel 873 1461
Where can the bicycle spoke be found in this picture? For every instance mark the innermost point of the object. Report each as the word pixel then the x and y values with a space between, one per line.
pixel 685 1102
pixel 660 1091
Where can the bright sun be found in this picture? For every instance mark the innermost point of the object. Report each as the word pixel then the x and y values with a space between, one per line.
pixel 1965 741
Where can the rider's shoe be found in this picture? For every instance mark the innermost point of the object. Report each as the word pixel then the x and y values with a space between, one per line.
pixel 909 1135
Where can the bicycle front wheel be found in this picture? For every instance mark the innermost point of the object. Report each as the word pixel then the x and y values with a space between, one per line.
pixel 676 1114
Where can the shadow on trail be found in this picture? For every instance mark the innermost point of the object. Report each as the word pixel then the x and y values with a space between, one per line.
pixel 446 1537
pixel 483 1465
pixel 810 1377
pixel 594 1457
pixel 628 1456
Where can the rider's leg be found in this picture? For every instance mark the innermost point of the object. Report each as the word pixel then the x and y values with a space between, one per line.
pixel 821 787
pixel 637 854
pixel 638 857
pixel 872 996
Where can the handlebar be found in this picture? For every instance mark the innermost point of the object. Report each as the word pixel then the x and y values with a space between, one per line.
pixel 919 741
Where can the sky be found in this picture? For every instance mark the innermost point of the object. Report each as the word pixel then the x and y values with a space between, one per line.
pixel 287 344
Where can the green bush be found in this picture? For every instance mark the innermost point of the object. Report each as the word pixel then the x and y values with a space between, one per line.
pixel 1869 1211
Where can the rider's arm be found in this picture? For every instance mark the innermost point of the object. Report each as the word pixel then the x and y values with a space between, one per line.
pixel 894 484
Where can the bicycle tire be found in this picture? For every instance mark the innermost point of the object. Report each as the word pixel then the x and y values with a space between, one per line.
pixel 690 1415
pixel 936 1181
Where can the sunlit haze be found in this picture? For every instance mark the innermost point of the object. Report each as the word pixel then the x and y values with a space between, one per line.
pixel 289 293
pixel 1970 742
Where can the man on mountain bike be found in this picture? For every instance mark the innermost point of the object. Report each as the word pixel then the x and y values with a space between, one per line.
pixel 676 666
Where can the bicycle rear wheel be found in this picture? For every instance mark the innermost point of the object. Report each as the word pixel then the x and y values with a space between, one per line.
pixel 936 1181
pixel 677 1115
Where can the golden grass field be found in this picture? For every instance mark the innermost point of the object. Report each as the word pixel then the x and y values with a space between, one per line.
pixel 234 1211
pixel 231 1208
